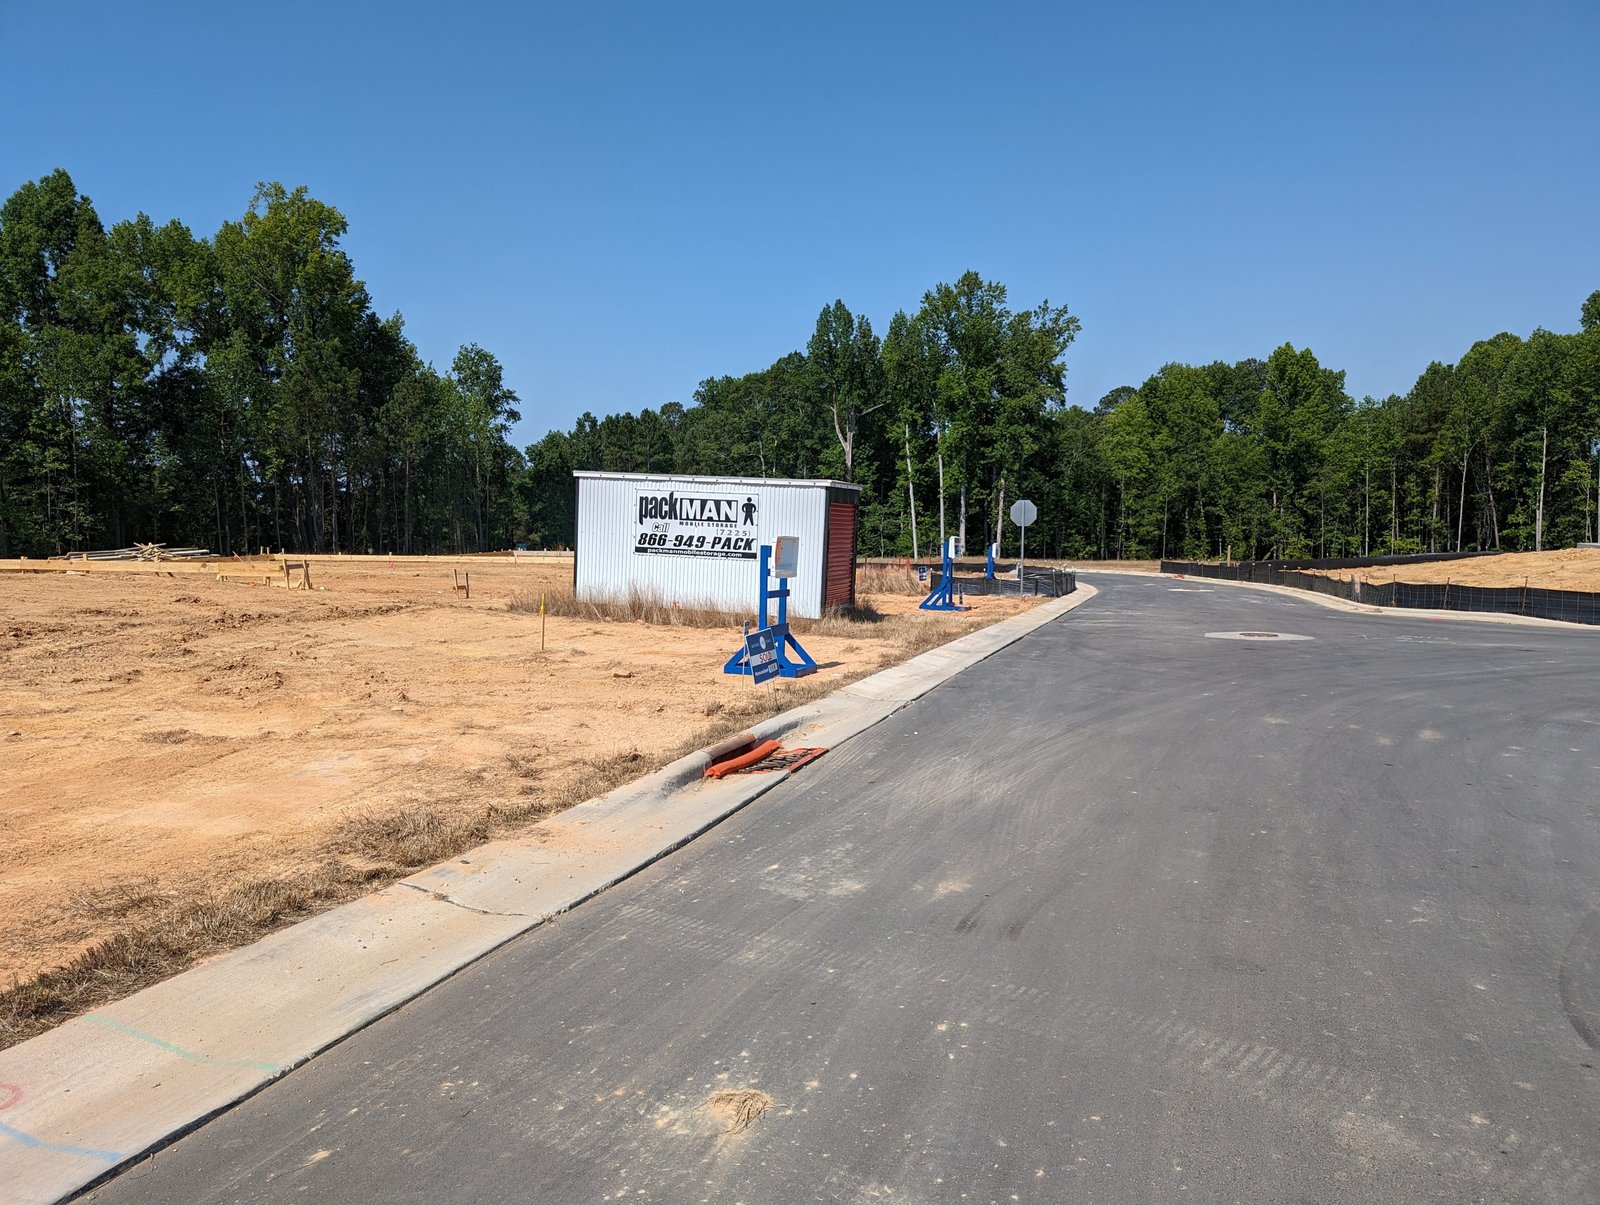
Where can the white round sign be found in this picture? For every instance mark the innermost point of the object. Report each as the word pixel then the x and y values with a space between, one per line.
pixel 1023 512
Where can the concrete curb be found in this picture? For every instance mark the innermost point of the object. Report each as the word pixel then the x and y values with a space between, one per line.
pixel 97 1093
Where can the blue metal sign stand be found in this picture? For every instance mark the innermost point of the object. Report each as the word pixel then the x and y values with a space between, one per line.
pixel 988 570
pixel 942 596
pixel 802 665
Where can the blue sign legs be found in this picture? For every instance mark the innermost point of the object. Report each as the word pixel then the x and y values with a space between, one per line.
pixel 942 596
pixel 797 666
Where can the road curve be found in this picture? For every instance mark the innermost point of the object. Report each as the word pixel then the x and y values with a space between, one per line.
pixel 1129 911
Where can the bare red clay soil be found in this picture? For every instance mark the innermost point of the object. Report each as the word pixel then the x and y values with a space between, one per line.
pixel 165 736
pixel 1566 569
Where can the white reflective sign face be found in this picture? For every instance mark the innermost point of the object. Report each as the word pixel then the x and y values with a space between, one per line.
pixel 785 556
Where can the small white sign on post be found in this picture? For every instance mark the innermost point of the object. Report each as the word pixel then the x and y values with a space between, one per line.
pixel 785 556
pixel 1023 512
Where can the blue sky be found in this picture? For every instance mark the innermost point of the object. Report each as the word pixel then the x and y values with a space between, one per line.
pixel 619 200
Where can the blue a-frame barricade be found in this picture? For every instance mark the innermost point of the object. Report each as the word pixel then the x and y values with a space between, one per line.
pixel 801 663
pixel 942 596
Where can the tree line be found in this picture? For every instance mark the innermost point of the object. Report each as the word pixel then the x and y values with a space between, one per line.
pixel 232 392
pixel 1273 459
pixel 956 409
pixel 239 391
pixel 961 408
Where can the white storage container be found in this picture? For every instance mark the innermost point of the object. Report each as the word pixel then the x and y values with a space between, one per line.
pixel 697 540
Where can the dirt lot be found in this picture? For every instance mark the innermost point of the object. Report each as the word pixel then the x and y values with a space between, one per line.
pixel 1568 569
pixel 164 738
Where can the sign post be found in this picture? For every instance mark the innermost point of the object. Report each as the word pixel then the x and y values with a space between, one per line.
pixel 1023 513
pixel 942 596
pixel 781 638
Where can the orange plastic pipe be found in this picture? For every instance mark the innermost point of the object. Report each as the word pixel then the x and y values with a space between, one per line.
pixel 762 751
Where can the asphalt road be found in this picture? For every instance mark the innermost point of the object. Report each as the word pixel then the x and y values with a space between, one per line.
pixel 1125 913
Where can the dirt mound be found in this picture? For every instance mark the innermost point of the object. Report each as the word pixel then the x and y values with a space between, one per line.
pixel 1566 569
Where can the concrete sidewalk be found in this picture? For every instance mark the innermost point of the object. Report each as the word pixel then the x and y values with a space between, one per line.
pixel 100 1091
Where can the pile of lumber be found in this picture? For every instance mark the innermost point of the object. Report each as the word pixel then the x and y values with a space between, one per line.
pixel 139 552
pixel 289 573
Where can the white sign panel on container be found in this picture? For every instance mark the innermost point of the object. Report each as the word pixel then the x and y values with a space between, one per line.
pixel 696 524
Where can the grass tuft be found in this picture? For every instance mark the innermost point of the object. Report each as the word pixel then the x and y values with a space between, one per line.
pixel 406 839
pixel 889 579
pixel 741 1108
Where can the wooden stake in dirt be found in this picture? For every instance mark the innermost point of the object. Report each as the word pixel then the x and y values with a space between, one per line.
pixel 541 621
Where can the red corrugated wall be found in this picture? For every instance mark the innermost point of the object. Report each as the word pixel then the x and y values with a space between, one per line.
pixel 841 587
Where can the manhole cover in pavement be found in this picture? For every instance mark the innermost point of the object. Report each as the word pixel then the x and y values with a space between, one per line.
pixel 1255 636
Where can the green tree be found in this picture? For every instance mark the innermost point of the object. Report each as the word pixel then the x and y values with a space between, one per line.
pixel 845 362
pixel 1128 447
pixel 999 377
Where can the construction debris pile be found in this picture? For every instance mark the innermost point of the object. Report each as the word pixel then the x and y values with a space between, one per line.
pixel 139 552
pixel 266 569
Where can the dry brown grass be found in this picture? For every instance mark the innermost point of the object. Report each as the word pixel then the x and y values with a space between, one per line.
pixel 413 837
pixel 175 936
pixel 912 638
pixel 889 579
pixel 910 633
pixel 905 634
pixel 121 900
pixel 637 606
pixel 741 1108
pixel 853 622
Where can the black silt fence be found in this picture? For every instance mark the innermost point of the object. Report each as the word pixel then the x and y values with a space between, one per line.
pixel 1046 583
pixel 1569 606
